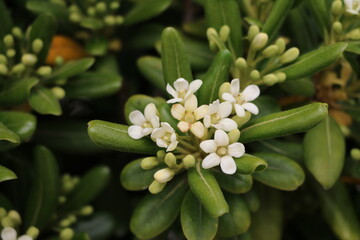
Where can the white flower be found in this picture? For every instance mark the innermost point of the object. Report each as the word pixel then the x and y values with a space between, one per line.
pixel 182 89
pixel 216 116
pixel 187 117
pixel 241 101
pixel 9 233
pixel 220 152
pixel 352 6
pixel 143 124
pixel 165 137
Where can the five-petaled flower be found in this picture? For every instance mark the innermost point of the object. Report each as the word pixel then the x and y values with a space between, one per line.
pixel 216 116
pixel 182 90
pixel 165 137
pixel 143 124
pixel 352 6
pixel 221 152
pixel 9 233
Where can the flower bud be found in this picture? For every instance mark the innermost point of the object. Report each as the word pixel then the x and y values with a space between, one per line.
pixel 156 187
pixel 44 71
pixel 234 135
pixel 270 79
pixel 66 234
pixel 224 88
pixel 259 41
pixel 354 34
pixel 114 5
pixel 188 161
pixel 164 175
pixel 212 45
pixel 119 20
pixel 281 44
pixel 75 17
pixel 9 40
pixel 37 45
pixel 33 232
pixel 280 76
pixel 18 68
pixel 110 20
pixel 254 75
pixel 3 69
pixel 3 59
pixel 242 120
pixel 336 8
pixel 6 222
pixel 74 8
pixel 29 59
pixel 212 34
pixel 101 7
pixel 59 60
pixel 253 31
pixel 64 223
pixel 160 155
pixel 170 160
pixel 16 31
pixel 355 154
pixel 241 64
pixel 337 27
pixel 3 212
pixel 86 210
pixel 91 11
pixel 72 218
pixel 149 163
pixel 271 51
pixel 11 53
pixel 224 33
pixel 61 199
pixel 290 55
pixel 58 92
pixel 15 217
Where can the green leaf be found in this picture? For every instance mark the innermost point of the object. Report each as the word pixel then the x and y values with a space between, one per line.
pixel 353 47
pixel 300 87
pixel 236 183
pixel 151 69
pixel 90 185
pixel 196 223
pixel 115 137
pixel 146 9
pixel 284 123
pixel 237 221
pixel 339 212
pixel 71 68
pixel 43 198
pixel 6 174
pixel 282 173
pixel 100 225
pixel 44 101
pixel 324 152
pixel 97 45
pixel 226 12
pixel 248 164
pixel 44 28
pixel 207 190
pixel 200 55
pixel 6 23
pixel 92 23
pixel 7 135
pixel 320 12
pixel 266 106
pixel 93 85
pixel 16 91
pixel 175 62
pixel 134 178
pixel 217 74
pixel 314 61
pixel 156 213
pixel 23 124
pixel 277 15
pixel 39 7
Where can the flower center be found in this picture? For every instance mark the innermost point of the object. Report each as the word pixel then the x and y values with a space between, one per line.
pixel 214 118
pixel 167 137
pixel 221 151
pixel 239 100
pixel 147 125
pixel 182 94
pixel 189 117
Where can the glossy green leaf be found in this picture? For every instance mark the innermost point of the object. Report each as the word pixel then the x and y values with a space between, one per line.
pixel 248 164
pixel 207 190
pixel 23 124
pixel 39 7
pixel 100 225
pixel 115 137
pixel 320 11
pixel 339 212
pixel 43 198
pixel 314 61
pixel 71 68
pixel 324 152
pixel 90 185
pixel 134 178
pixel 44 101
pixel 252 200
pixel 200 55
pixel 236 183
pixel 284 123
pixel 276 17
pixel 282 173
pixel 353 47
pixel 44 28
pixel 226 12
pixel 97 45
pixel 266 105
pixel 217 74
pixel 156 213
pixel 16 91
pixel 196 222
pixel 6 23
pixel 237 221
pixel 107 64
pixel 300 87
pixel 6 174
pixel 7 135
pixel 146 9
pixel 151 69
pixel 175 62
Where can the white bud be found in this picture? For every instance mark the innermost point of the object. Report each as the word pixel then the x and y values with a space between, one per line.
pixel 164 175
pixel 290 55
pixel 253 31
pixel 212 34
pixel 149 163
pixel 156 187
pixel 259 41
pixel 29 59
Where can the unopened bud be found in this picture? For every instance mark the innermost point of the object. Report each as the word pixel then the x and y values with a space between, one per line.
pixel 3 69
pixel 290 55
pixel 160 155
pixel 91 11
pixel 87 210
pixel 253 31
pixel 156 187
pixel 164 175
pixel 18 68
pixel 234 136
pixel 241 64
pixel 6 222
pixel 224 88
pixel 259 41
pixel 10 53
pixel 59 60
pixel 280 76
pixel 212 34
pixel 114 5
pixel 66 234
pixel 3 59
pixel 119 20
pixel 64 223
pixel 16 31
pixel 29 59
pixel 242 120
pixel 271 51
pixel 188 161
pixel 3 212
pixel 149 163
pixel 9 40
pixel 337 27
pixel 224 33
pixel 37 45
pixel 281 44
pixel 61 199
pixel 58 92
pixel 15 217
pixel 72 218
pixel 101 7
pixel 75 17
pixel 336 8
pixel 212 45
pixel 254 75
pixel 110 20
pixel 170 160
pixel 44 71
pixel 270 79
pixel 355 154
pixel 33 232
pixel 354 34
pixel 74 8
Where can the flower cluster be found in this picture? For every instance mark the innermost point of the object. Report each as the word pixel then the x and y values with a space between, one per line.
pixel 206 134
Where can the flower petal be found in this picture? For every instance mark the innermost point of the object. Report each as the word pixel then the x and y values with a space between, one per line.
pixel 235 87
pixel 214 107
pixel 191 103
pixel 137 118
pixel 194 86
pixel 198 129
pixel 208 146
pixel 155 122
pixel 161 143
pixel 228 97
pixel 225 109
pixel 210 161
pixel 157 133
pixel 25 237
pixel 251 108
pixel 184 126
pixel 167 127
pixel 178 111
pixel 150 111
pixel 228 165
pixel 240 111
pixel 135 132
pixel 236 149
pixel 175 100
pixel 8 233
pixel 201 111
pixel 171 91
pixel 227 124
pixel 181 84
pixel 207 121
pixel 221 138
pixel 172 146
pixel 146 131
pixel 250 93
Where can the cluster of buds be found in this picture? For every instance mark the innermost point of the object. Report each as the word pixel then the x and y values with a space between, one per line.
pixel 206 134
pixel 10 223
